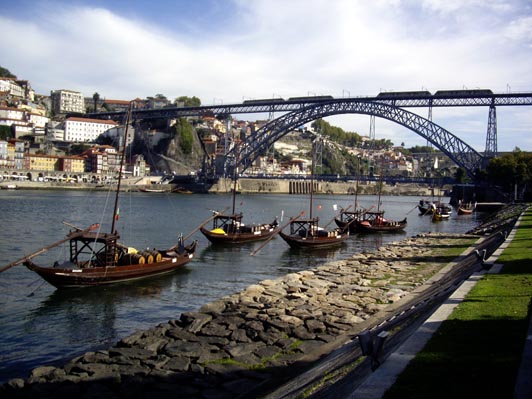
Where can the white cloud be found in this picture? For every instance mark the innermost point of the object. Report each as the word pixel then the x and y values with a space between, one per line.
pixel 279 48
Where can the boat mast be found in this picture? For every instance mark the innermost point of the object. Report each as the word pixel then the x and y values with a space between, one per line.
pixel 122 158
pixel 356 183
pixel 312 177
pixel 381 183
pixel 235 175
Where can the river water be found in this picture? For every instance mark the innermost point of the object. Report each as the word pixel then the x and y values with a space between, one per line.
pixel 41 325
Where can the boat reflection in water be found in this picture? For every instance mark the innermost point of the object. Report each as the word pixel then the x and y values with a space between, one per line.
pixel 42 325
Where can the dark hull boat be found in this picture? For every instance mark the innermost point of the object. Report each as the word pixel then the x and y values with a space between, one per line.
pixel 428 207
pixel 228 229
pixel 466 209
pixel 108 262
pixel 348 220
pixel 98 258
pixel 374 222
pixel 307 234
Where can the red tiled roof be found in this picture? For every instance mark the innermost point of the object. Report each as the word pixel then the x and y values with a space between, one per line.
pixel 88 120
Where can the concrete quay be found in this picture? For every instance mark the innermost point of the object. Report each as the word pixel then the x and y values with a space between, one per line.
pixel 258 337
pixel 244 186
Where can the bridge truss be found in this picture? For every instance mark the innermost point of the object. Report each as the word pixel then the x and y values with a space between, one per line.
pixel 460 152
pixel 388 105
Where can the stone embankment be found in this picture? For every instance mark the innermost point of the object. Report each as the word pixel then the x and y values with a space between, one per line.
pixel 245 186
pixel 257 336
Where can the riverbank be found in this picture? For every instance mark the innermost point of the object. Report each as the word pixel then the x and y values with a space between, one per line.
pixel 261 335
pixel 478 350
pixel 244 186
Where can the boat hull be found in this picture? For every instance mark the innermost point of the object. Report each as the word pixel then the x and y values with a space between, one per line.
pixel 239 237
pixel 314 242
pixel 94 276
pixel 388 227
pixel 351 226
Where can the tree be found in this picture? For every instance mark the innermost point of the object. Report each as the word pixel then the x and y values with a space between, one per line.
pixel 185 131
pixel 337 134
pixel 188 101
pixel 460 175
pixel 421 149
pixel 511 170
pixel 4 73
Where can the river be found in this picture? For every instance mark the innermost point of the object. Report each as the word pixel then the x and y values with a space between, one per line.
pixel 41 325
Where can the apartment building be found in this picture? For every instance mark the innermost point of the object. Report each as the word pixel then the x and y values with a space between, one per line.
pixel 41 162
pixel 80 130
pixel 67 101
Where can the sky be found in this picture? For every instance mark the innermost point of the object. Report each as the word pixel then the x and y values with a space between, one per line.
pixel 227 51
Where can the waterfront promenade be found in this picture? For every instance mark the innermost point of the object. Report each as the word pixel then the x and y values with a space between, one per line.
pixel 478 343
pixel 244 186
pixel 254 340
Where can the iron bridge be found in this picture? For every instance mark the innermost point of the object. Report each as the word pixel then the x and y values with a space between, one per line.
pixel 388 105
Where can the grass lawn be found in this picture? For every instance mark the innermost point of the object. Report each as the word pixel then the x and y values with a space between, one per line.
pixel 477 351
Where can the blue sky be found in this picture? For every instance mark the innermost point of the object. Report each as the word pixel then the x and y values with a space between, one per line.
pixel 227 51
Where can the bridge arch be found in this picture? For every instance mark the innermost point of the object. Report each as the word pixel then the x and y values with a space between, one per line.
pixel 459 151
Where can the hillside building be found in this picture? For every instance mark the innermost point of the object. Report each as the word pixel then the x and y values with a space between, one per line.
pixel 80 130
pixel 67 101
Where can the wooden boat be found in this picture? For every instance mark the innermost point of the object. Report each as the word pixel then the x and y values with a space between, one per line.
pixel 97 258
pixel 374 222
pixel 153 190
pixel 425 207
pixel 347 220
pixel 428 207
pixel 307 233
pixel 466 209
pixel 10 187
pixel 440 213
pixel 229 229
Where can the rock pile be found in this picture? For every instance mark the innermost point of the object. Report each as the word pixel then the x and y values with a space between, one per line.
pixel 229 346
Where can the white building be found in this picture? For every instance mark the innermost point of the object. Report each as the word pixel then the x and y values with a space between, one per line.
pixel 22 121
pixel 9 115
pixel 65 101
pixel 80 130
pixel 10 86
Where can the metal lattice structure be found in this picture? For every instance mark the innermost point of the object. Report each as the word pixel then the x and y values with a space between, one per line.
pixel 491 136
pixel 458 98
pixel 460 152
pixel 388 105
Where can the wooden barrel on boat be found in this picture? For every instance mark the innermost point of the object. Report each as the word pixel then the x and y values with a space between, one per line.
pixel 132 259
pixel 147 256
pixel 157 257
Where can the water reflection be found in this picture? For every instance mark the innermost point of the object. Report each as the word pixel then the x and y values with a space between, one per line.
pixel 53 324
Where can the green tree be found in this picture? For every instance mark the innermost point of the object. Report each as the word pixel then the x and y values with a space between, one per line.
pixel 5 132
pixel 421 149
pixel 336 134
pixel 188 101
pixel 511 170
pixel 185 132
pixel 460 175
pixel 4 73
